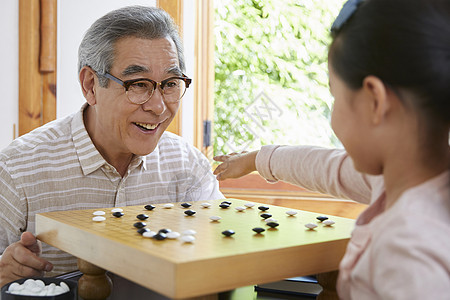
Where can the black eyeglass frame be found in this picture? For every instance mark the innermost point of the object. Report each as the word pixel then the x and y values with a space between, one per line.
pixel 348 9
pixel 127 83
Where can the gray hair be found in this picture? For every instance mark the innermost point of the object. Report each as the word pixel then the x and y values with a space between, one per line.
pixel 97 47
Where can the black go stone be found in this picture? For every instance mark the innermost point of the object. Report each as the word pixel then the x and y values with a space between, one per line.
pixel 139 224
pixel 228 232
pixel 190 212
pixel 142 217
pixel 258 229
pixel 322 218
pixel 226 202
pixel 263 207
pixel 149 207
pixel 224 205
pixel 118 214
pixel 160 236
pixel 272 224
pixel 186 205
pixel 165 230
pixel 265 216
pixel 142 230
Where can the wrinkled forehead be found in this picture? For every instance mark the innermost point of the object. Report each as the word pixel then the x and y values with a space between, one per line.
pixel 133 55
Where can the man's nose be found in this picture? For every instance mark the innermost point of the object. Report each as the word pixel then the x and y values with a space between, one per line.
pixel 156 103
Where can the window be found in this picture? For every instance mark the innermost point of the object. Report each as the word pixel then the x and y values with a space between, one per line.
pixel 271 81
pixel 271 87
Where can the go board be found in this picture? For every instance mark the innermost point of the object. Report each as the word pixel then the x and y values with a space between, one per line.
pixel 213 262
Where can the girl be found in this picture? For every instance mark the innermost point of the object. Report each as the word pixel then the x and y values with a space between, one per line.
pixel 389 72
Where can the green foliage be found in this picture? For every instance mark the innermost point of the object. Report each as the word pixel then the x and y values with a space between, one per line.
pixel 278 47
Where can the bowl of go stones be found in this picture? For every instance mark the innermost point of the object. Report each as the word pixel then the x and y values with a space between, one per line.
pixel 40 288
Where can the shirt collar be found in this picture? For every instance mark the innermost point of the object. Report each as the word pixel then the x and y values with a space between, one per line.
pixel 138 161
pixel 89 157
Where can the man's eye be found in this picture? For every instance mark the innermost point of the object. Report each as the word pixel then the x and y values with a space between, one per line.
pixel 172 84
pixel 140 85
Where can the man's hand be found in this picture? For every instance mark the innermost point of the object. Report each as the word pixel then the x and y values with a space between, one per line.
pixel 235 165
pixel 21 259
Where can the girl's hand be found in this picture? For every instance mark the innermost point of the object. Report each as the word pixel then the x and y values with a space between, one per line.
pixel 235 165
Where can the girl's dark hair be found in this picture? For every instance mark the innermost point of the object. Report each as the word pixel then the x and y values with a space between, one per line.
pixel 405 43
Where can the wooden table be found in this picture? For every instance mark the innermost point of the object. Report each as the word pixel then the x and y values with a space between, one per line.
pixel 213 263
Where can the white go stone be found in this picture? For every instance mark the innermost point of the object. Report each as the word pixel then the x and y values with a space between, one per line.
pixel 149 234
pixel 20 288
pixel 240 208
pixel 98 213
pixel 42 284
pixel 268 220
pixel 189 232
pixel 310 225
pixel 51 289
pixel 215 218
pixel 328 222
pixel 249 204
pixel 29 282
pixel 291 212
pixel 63 285
pixel 14 287
pixel 173 235
pixel 58 290
pixel 116 210
pixel 206 205
pixel 188 238
pixel 98 219
pixel 168 205
pixel 33 287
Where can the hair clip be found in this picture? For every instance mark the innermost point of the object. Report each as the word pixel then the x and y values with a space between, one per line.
pixel 348 9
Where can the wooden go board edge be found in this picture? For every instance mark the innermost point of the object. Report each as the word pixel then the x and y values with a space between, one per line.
pixel 108 254
pixel 228 273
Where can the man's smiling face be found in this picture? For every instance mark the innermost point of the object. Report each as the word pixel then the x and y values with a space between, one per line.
pixel 122 127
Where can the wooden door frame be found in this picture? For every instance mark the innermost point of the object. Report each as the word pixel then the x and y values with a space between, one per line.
pixel 204 75
pixel 175 10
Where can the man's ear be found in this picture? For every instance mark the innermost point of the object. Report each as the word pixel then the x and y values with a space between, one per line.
pixel 378 96
pixel 87 81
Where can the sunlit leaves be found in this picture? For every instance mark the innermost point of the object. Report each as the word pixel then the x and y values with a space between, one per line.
pixel 278 47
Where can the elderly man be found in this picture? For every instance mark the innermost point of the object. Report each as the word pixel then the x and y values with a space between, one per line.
pixel 114 151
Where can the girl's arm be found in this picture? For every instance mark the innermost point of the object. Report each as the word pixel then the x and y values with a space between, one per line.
pixel 328 171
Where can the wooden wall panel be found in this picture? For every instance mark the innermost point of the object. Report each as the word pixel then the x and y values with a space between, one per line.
pixel 47 59
pixel 29 75
pixel 37 63
pixel 175 9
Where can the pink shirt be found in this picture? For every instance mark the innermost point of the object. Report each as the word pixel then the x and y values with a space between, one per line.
pixel 399 253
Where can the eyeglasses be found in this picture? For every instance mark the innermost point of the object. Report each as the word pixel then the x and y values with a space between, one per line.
pixel 346 12
pixel 141 90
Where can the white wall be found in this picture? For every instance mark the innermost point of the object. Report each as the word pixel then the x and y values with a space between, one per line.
pixel 9 76
pixel 73 20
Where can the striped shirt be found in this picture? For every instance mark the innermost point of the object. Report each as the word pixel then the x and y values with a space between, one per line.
pixel 57 167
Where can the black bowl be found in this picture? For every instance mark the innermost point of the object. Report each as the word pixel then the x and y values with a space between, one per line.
pixel 70 295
